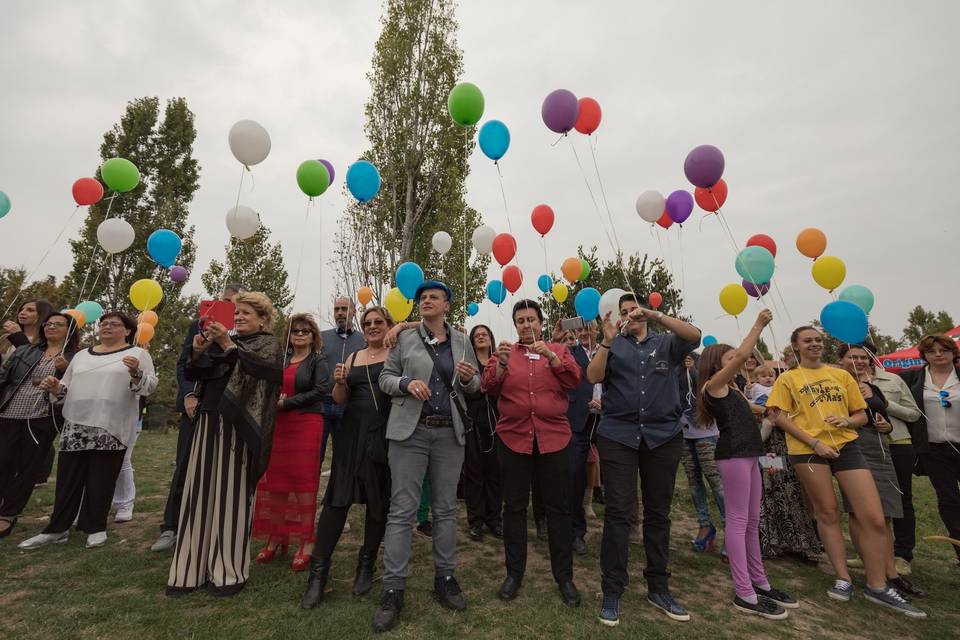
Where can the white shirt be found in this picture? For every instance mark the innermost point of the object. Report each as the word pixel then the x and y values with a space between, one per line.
pixel 943 423
pixel 901 407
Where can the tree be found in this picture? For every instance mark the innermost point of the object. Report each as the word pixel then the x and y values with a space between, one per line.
pixel 922 323
pixel 16 289
pixel 883 343
pixel 256 264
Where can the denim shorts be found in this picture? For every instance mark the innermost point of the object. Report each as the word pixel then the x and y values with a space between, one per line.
pixel 850 458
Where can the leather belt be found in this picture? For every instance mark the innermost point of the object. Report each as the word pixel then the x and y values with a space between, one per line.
pixel 436 421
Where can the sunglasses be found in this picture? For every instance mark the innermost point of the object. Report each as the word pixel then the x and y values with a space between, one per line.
pixel 374 323
pixel 301 332
pixel 946 404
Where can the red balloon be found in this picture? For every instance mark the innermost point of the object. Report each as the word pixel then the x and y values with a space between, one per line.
pixel 542 219
pixel 712 198
pixel 589 119
pixel 504 248
pixel 665 220
pixel 655 300
pixel 512 278
pixel 765 241
pixel 87 191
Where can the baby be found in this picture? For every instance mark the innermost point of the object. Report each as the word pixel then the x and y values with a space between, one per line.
pixel 759 390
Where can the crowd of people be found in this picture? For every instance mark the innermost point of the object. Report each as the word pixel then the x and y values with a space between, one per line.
pixel 420 414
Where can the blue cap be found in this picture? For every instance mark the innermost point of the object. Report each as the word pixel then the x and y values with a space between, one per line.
pixel 433 284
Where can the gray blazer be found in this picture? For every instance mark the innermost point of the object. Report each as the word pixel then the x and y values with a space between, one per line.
pixel 410 359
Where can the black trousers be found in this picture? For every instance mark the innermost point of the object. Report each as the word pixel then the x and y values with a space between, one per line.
pixel 942 464
pixel 85 484
pixel 330 527
pixel 24 445
pixel 552 472
pixel 44 470
pixel 481 480
pixel 579 448
pixel 171 513
pixel 658 472
pixel 905 528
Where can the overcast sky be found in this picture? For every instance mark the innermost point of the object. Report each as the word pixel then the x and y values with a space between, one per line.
pixel 842 116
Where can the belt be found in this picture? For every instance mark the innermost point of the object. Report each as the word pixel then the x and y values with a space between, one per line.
pixel 436 421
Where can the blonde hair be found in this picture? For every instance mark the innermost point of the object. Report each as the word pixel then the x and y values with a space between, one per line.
pixel 763 368
pixel 261 304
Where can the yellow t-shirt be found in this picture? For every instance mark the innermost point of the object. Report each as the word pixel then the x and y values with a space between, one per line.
pixel 808 396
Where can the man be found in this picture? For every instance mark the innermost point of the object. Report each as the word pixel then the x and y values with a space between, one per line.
pixel 582 420
pixel 186 405
pixel 639 431
pixel 337 345
pixel 427 373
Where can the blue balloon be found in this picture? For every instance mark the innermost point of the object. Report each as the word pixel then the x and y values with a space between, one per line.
pixel 545 283
pixel 755 264
pixel 409 277
pixel 363 180
pixel 473 309
pixel 494 139
pixel 163 246
pixel 845 321
pixel 858 295
pixel 496 292
pixel 587 303
pixel 709 340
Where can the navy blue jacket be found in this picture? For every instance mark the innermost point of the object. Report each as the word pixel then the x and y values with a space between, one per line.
pixel 185 386
pixel 580 397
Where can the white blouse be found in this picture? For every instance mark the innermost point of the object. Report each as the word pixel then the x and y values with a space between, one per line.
pixel 943 423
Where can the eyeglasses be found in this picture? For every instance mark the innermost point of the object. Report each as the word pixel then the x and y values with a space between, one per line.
pixel 55 325
pixel 301 332
pixel 374 323
pixel 113 325
pixel 946 404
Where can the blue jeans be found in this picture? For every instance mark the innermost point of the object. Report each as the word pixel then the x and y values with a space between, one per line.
pixel 698 463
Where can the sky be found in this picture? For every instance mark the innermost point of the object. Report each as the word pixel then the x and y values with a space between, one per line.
pixel 840 116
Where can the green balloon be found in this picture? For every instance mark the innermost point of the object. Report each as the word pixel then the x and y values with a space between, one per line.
pixel 4 204
pixel 312 177
pixel 465 104
pixel 120 174
pixel 585 271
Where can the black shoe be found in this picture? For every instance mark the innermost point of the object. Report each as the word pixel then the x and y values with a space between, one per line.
pixel 363 581
pixel 316 583
pixel 569 593
pixel 226 591
pixel 387 614
pixel 906 588
pixel 509 588
pixel 496 529
pixel 179 592
pixel 448 592
pixel 6 532
pixel 542 529
pixel 476 533
pixel 777 596
pixel 579 546
pixel 425 530
pixel 598 495
pixel 765 608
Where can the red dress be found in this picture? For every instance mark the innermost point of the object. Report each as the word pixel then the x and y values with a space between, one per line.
pixel 287 493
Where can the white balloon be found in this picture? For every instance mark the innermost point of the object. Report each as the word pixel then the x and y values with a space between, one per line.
pixel 483 239
pixel 610 303
pixel 115 235
pixel 650 205
pixel 249 142
pixel 442 242
pixel 243 222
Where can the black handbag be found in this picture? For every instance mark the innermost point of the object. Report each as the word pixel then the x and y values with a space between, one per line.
pixel 448 383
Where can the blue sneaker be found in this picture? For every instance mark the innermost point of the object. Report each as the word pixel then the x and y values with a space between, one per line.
pixel 610 611
pixel 704 544
pixel 665 602
pixel 841 590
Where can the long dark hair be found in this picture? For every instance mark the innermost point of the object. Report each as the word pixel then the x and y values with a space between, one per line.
pixel 493 342
pixel 44 309
pixel 71 342
pixel 711 361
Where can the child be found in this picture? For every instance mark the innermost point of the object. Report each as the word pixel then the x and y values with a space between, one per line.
pixel 762 383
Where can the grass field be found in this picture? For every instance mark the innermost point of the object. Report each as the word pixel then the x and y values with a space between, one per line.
pixel 66 591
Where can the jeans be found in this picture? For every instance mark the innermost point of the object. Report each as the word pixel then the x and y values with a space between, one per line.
pixel 698 463
pixel 905 528
pixel 942 464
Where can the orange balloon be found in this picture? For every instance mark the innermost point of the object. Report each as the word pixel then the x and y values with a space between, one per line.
pixel 145 333
pixel 78 316
pixel 812 243
pixel 148 317
pixel 364 295
pixel 572 268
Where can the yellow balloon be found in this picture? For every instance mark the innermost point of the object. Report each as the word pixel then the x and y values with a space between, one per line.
pixel 829 272
pixel 398 306
pixel 560 292
pixel 145 294
pixel 733 299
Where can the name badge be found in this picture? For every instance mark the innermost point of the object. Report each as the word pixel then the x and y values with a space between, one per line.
pixel 533 356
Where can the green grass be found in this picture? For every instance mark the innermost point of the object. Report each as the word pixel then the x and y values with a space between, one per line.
pixel 66 591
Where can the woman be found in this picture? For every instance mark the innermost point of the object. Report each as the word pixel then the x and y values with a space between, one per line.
pixel 27 329
pixel 102 386
pixel 820 409
pixel 359 473
pixel 28 420
pixel 481 469
pixel 287 492
pixel 238 387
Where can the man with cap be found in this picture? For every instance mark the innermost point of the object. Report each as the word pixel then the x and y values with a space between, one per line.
pixel 426 373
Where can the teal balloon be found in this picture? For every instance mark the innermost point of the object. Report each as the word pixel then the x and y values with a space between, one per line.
pixel 409 277
pixel 4 204
pixel 587 304
pixel 494 139
pixel 164 246
pixel 91 310
pixel 755 264
pixel 545 283
pixel 858 295
pixel 496 291
pixel 473 309
pixel 363 180
pixel 709 340
pixel 845 321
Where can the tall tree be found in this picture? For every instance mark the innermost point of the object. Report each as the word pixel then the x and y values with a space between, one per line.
pixel 921 323
pixel 257 264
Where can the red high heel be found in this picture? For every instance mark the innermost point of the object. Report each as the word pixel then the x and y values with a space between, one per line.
pixel 301 560
pixel 267 554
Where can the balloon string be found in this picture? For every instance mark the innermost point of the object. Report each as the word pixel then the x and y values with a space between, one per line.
pixel 503 194
pixel 557 141
pixel 782 301
pixel 683 271
pixel 603 194
pixel 106 267
pixel 296 281
pixel 253 182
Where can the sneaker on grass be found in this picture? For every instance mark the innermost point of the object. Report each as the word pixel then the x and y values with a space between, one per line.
pixel 841 590
pixel 610 611
pixel 889 598
pixel 765 608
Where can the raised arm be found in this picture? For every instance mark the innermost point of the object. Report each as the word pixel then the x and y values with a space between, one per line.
pixel 597 369
pixel 719 381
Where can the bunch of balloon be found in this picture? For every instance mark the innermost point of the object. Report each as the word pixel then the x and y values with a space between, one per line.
pixel 145 295
pixel 146 327
pixel 703 168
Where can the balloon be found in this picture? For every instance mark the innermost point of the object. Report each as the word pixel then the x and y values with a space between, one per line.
pixel 120 174
pixel 571 269
pixel 504 248
pixel 91 310
pixel 855 293
pixel 4 204
pixel 249 142
pixel 398 305
pixel 179 274
pixel 829 272
pixel 711 198
pixel 610 303
pixel 845 321
pixel 494 139
pixel 243 222
pixel 164 246
pixel 409 277
pixel 709 341
pixel 704 166
pixel 755 264
pixel 545 283
pixel 650 205
pixel 115 235
pixel 765 241
pixel 584 270
pixel 363 180
pixel 87 191
pixel 655 300
pixel 144 334
pixel 329 166
pixel 588 119
pixel 148 317
pixel 145 294
pixel 442 242
pixel 812 243
pixel 483 239
pixel 542 219
pixel 364 295
pixel 587 303
pixel 313 178
pixel 465 104
pixel 512 278
pixel 733 299
pixel 560 292
pixel 679 205
pixel 560 110
pixel 473 309
pixel 665 220
pixel 496 292
pixel 77 315
pixel 755 290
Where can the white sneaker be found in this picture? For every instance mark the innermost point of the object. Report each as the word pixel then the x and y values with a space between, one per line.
pixel 124 514
pixel 346 527
pixel 97 539
pixel 43 539
pixel 325 474
pixel 166 541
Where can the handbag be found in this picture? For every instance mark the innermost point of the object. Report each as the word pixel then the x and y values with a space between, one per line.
pixel 465 418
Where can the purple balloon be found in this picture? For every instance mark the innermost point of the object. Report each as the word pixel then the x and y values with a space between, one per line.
pixel 560 110
pixel 704 166
pixel 329 167
pixel 178 274
pixel 755 291
pixel 679 205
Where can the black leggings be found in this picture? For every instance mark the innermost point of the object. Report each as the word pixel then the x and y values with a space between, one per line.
pixel 330 526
